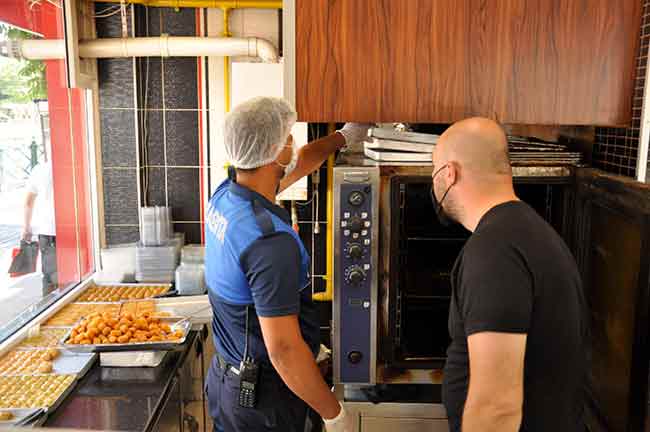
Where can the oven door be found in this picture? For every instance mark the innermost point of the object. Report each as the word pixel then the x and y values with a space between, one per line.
pixel 417 255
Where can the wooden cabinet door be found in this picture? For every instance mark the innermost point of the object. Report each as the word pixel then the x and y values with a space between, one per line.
pixel 613 253
pixel 519 61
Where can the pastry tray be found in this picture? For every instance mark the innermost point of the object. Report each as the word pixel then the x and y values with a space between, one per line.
pixel 67 363
pixel 166 293
pixel 47 409
pixel 141 346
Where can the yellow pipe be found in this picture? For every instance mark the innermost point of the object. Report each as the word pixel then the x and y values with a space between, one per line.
pixel 226 61
pixel 328 295
pixel 230 4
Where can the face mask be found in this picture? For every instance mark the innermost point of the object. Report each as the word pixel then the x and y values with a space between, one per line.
pixel 288 168
pixel 443 217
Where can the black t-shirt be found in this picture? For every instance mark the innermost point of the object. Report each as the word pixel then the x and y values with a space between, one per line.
pixel 516 275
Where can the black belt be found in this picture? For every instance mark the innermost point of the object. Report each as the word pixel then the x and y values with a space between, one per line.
pixel 225 366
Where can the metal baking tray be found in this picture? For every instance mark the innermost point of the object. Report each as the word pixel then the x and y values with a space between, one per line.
pixel 141 346
pixel 395 135
pixel 74 364
pixel 64 394
pixel 382 144
pixel 168 291
pixel 21 416
pixel 67 363
pixel 396 156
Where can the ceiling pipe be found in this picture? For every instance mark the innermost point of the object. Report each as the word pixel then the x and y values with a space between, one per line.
pixel 163 46
pixel 229 4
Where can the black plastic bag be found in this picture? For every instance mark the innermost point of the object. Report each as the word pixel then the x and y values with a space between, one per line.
pixel 24 259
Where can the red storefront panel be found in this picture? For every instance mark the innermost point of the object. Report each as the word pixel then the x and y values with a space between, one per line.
pixel 69 139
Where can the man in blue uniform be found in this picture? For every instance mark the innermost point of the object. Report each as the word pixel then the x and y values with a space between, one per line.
pixel 264 376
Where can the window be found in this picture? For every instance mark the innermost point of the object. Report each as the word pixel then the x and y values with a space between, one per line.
pixel 45 205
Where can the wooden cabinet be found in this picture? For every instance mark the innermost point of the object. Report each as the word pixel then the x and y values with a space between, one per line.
pixel 518 61
pixel 612 248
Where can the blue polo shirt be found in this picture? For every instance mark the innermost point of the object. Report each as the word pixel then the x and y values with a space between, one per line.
pixel 254 258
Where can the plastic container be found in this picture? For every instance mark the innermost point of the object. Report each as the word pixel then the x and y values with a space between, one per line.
pixel 155 225
pixel 157 263
pixel 193 254
pixel 190 279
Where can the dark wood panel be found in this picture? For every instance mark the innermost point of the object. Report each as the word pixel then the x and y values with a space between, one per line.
pixel 519 61
pixel 613 233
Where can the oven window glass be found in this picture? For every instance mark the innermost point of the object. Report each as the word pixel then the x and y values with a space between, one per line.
pixel 423 253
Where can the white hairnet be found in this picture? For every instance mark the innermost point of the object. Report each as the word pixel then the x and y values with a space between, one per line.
pixel 256 131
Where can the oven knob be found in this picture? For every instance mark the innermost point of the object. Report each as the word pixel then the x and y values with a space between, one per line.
pixel 356 198
pixel 355 224
pixel 356 275
pixel 355 357
pixel 355 251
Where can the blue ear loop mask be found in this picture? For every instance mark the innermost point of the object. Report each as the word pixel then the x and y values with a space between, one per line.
pixel 443 217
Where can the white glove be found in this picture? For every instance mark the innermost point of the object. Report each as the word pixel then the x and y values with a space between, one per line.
pixel 341 423
pixel 355 133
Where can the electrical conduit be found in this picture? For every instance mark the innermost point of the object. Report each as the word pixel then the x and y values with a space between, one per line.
pixel 163 46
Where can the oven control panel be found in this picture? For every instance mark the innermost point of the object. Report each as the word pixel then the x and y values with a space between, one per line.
pixel 355 277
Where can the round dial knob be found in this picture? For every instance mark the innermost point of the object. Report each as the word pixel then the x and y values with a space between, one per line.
pixel 355 357
pixel 356 198
pixel 355 250
pixel 356 275
pixel 355 224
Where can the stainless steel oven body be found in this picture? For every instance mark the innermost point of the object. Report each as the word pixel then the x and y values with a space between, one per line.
pixel 392 289
pixel 392 262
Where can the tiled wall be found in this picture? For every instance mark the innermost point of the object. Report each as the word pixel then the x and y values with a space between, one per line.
pixel 150 144
pixel 170 121
pixel 616 149
pixel 117 111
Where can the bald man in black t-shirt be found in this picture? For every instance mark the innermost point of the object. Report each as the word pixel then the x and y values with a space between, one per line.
pixel 517 319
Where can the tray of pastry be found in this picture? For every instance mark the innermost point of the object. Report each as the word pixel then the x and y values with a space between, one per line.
pixel 70 314
pixel 45 361
pixel 118 292
pixel 144 332
pixel 34 391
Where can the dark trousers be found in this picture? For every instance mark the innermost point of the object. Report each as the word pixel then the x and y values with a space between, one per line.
pixel 278 409
pixel 47 246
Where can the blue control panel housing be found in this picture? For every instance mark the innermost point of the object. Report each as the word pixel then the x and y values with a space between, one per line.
pixel 354 281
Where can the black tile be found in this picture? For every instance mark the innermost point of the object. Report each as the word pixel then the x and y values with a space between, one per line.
pixel 180 22
pixel 118 138
pixel 155 186
pixel 192 231
pixel 181 91
pixel 120 196
pixel 116 83
pixel 182 129
pixel 140 20
pixel 121 234
pixel 150 78
pixel 184 193
pixel 155 21
pixel 155 142
pixel 111 27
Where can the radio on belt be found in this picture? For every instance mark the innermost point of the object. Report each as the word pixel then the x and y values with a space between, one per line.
pixel 356 198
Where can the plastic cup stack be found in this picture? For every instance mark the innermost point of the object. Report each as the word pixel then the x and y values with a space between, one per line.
pixel 190 275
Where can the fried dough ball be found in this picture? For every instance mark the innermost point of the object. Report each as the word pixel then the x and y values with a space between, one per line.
pixel 45 367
